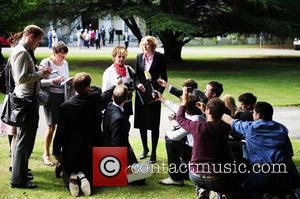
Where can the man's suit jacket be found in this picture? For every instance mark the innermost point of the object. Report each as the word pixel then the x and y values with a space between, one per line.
pixel 116 128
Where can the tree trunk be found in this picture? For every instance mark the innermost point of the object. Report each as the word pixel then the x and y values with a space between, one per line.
pixel 132 25
pixel 172 46
pixel 173 52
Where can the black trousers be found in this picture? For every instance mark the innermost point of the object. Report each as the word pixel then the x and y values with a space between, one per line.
pixel 154 137
pixel 179 155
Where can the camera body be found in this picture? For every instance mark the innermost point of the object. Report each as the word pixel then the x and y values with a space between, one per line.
pixel 189 89
pixel 131 87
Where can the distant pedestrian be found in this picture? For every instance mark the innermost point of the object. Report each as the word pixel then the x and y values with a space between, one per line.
pixel 102 31
pixel 111 32
pixel 49 37
pixel 126 40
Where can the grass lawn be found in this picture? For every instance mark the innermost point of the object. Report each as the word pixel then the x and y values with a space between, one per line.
pixel 51 187
pixel 271 78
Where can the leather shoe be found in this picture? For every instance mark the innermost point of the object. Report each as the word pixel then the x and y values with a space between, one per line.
pixel 144 154
pixel 152 159
pixel 58 170
pixel 28 185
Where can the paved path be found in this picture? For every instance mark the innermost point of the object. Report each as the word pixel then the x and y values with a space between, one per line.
pixel 289 116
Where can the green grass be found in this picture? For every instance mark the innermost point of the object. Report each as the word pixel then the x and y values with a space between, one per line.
pixel 271 78
pixel 51 187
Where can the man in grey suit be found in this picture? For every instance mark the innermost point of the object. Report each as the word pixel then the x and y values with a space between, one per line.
pixel 26 86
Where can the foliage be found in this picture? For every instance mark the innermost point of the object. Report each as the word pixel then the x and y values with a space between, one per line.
pixel 16 14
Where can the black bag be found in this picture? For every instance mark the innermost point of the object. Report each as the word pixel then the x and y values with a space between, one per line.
pixel 43 97
pixel 15 109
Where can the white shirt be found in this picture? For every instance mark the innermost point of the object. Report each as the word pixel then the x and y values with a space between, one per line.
pixel 62 70
pixel 181 133
pixel 110 77
pixel 120 107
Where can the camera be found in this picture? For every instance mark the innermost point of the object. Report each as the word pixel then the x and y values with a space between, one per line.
pixel 189 89
pixel 131 87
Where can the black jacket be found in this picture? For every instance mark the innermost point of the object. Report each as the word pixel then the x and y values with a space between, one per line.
pixel 148 116
pixel 116 128
pixel 80 129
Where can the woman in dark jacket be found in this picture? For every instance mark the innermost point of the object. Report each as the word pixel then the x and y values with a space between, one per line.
pixel 150 66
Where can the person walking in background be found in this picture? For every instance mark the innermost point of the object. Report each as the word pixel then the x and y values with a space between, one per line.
pixel 147 116
pixel 97 39
pixel 126 40
pixel 49 37
pixel 118 73
pixel 111 32
pixel 102 31
pixel 57 97
pixel 79 38
pixel 26 85
pixel 54 38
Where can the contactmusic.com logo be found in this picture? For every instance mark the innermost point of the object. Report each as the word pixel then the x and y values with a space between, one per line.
pixel 110 166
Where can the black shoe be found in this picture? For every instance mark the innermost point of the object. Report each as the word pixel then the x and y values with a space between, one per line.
pixel 152 159
pixel 10 169
pixel 28 185
pixel 29 178
pixel 58 170
pixel 144 154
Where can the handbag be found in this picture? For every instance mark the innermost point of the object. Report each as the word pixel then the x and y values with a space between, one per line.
pixel 43 97
pixel 15 109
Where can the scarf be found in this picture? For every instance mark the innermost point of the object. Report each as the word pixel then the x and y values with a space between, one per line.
pixel 120 69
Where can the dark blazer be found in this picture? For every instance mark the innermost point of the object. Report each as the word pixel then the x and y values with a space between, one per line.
pixel 175 91
pixel 116 128
pixel 148 116
pixel 80 129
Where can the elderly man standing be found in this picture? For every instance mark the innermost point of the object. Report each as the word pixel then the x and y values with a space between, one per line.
pixel 27 84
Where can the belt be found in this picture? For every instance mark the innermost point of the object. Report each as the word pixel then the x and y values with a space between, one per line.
pixel 205 176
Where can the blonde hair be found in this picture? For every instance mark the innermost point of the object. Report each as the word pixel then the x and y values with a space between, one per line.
pixel 230 104
pixel 152 41
pixel 119 50
pixel 33 29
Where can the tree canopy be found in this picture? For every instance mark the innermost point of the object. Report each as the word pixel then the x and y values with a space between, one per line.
pixel 176 22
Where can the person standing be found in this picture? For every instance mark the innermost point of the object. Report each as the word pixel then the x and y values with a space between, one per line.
pixel 54 37
pixel 57 93
pixel 97 39
pixel 111 32
pixel 26 85
pixel 102 31
pixel 49 37
pixel 126 40
pixel 147 116
pixel 117 73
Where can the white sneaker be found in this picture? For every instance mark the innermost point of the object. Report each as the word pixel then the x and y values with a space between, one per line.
pixel 85 184
pixel 73 185
pixel 170 181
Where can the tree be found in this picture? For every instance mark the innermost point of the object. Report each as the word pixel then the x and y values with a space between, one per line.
pixel 176 22
pixel 16 14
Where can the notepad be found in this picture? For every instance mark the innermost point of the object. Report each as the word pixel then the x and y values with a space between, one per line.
pixel 66 81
